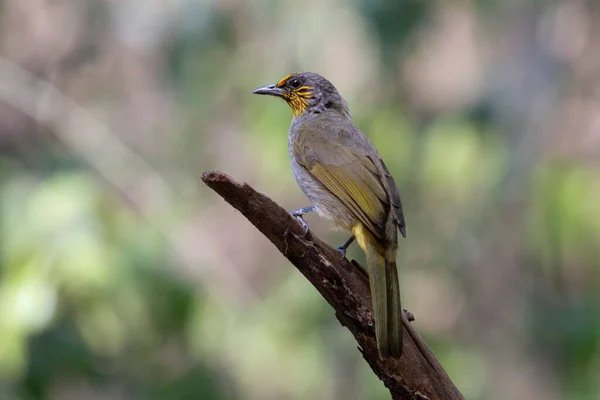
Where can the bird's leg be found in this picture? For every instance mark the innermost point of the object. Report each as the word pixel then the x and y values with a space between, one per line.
pixel 342 248
pixel 299 213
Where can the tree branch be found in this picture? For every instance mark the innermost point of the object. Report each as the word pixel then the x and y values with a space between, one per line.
pixel 418 374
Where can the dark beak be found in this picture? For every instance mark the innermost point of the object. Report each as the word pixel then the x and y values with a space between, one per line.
pixel 271 90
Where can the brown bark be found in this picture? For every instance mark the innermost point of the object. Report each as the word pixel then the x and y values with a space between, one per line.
pixel 418 374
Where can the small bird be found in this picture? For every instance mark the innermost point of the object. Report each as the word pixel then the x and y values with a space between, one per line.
pixel 339 170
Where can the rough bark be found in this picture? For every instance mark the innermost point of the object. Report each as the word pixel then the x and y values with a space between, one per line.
pixel 418 374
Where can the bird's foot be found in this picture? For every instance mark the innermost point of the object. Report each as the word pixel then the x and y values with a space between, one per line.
pixel 342 249
pixel 303 223
pixel 299 213
pixel 409 316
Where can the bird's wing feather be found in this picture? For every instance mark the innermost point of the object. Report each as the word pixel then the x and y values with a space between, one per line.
pixel 394 195
pixel 346 173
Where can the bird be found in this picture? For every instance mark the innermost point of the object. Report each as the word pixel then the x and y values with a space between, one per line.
pixel 344 177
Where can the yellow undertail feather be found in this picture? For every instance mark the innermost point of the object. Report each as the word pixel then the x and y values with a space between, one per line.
pixel 385 292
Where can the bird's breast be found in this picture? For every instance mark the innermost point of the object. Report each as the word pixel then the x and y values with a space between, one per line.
pixel 327 205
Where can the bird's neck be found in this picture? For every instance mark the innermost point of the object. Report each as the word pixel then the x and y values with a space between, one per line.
pixel 328 114
pixel 338 110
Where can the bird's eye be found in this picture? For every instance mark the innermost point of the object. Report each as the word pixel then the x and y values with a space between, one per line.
pixel 294 83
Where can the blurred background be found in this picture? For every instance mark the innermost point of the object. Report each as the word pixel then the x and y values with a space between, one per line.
pixel 123 277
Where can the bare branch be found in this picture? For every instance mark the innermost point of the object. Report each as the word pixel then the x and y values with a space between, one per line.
pixel 418 374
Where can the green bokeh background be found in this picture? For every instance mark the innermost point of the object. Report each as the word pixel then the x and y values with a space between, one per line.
pixel 123 277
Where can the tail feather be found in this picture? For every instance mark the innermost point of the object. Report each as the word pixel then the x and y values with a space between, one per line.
pixel 394 310
pixel 385 292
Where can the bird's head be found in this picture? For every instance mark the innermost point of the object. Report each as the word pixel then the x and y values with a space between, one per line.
pixel 306 92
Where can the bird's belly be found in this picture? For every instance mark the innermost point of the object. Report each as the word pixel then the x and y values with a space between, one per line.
pixel 335 213
pixel 327 205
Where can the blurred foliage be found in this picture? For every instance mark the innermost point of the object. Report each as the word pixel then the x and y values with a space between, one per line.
pixel 122 277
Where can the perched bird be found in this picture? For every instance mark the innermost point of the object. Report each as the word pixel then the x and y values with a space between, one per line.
pixel 339 170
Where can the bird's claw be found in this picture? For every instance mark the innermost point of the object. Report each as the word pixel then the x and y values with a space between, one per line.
pixel 303 223
pixel 342 248
pixel 299 213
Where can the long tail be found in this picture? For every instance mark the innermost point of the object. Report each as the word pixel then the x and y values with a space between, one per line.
pixel 385 292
